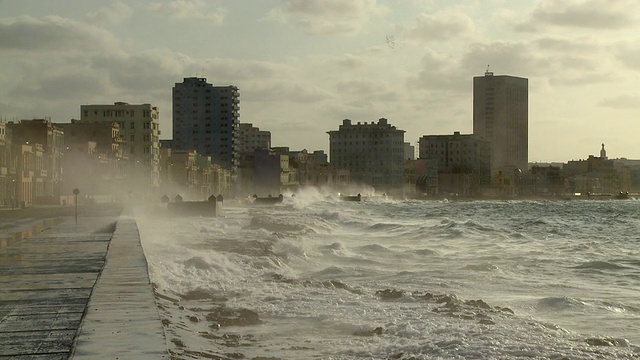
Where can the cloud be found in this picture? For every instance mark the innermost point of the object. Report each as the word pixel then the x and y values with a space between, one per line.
pixel 584 14
pixel 626 101
pixel 283 92
pixel 327 17
pixel 442 73
pixel 442 26
pixel 189 10
pixel 66 86
pixel 111 14
pixel 628 53
pixel 367 89
pixel 53 33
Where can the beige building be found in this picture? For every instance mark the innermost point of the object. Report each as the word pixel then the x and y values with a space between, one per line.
pixel 501 115
pixel 140 129
pixel 7 167
pixel 38 145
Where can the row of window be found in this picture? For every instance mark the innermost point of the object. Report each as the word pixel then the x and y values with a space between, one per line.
pixel 366 136
pixel 366 143
pixel 451 145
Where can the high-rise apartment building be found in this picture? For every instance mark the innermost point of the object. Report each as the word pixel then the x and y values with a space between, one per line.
pixel 373 152
pixel 140 128
pixel 206 119
pixel 501 115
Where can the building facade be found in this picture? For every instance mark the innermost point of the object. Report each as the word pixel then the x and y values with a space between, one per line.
pixel 206 119
pixel 94 158
pixel 38 145
pixel 140 129
pixel 251 138
pixel 462 161
pixel 7 167
pixel 501 115
pixel 372 152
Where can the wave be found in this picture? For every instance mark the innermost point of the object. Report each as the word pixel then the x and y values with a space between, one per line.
pixel 488 267
pixel 197 263
pixel 426 252
pixel 384 227
pixel 560 303
pixel 374 248
pixel 600 265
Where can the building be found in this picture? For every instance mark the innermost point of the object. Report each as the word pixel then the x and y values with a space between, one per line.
pixel 275 175
pixel 501 115
pixel 409 151
pixel 39 146
pixel 140 129
pixel 372 152
pixel 7 167
pixel 251 138
pixel 595 175
pixel 206 119
pixel 94 158
pixel 462 161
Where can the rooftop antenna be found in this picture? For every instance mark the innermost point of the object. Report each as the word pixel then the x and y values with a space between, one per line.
pixel 487 72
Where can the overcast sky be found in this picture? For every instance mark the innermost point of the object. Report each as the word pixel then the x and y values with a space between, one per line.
pixel 302 66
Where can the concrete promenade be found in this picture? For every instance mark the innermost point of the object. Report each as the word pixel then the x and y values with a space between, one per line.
pixel 75 291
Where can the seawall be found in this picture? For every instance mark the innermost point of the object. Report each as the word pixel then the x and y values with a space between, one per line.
pixel 76 290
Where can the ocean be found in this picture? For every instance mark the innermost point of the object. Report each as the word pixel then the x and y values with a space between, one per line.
pixel 319 278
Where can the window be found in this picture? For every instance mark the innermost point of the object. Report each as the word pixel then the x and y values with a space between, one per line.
pixel 132 125
pixel 132 138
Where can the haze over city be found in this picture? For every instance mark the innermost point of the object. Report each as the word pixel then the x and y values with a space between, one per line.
pixel 303 66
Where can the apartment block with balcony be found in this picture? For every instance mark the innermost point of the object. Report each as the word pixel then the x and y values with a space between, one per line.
pixel 206 119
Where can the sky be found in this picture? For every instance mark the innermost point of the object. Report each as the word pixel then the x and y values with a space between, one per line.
pixel 302 66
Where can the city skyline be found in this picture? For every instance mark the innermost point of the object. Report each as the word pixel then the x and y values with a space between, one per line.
pixel 303 66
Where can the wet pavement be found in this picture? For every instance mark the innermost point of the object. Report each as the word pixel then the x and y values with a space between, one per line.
pixel 75 290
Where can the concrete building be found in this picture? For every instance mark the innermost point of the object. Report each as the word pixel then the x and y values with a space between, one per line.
pixel 595 175
pixel 251 138
pixel 94 158
pixel 206 119
pixel 43 142
pixel 7 167
pixel 372 152
pixel 462 161
pixel 275 175
pixel 501 115
pixel 409 151
pixel 140 129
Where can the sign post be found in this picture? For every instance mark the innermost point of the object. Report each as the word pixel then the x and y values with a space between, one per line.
pixel 76 191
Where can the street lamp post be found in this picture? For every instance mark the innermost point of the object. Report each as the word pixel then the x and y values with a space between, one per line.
pixel 76 191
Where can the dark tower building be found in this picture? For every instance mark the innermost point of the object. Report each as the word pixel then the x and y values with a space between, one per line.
pixel 206 119
pixel 501 115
